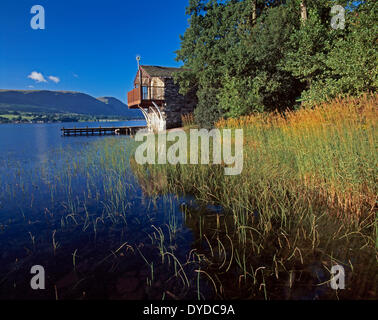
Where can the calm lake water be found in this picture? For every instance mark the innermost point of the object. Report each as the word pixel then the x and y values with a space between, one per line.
pixel 34 142
pixel 74 206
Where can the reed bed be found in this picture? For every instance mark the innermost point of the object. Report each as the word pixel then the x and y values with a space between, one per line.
pixel 188 120
pixel 305 201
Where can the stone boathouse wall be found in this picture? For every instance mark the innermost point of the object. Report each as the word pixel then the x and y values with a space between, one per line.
pixel 176 105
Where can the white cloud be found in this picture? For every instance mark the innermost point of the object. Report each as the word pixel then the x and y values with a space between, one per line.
pixel 75 75
pixel 54 79
pixel 31 87
pixel 37 76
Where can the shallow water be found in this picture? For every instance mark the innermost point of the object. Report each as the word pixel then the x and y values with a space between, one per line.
pixel 73 206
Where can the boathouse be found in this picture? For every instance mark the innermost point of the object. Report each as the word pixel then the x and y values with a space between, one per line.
pixel 157 96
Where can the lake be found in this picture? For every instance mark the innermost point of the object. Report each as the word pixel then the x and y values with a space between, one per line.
pixel 35 141
pixel 73 206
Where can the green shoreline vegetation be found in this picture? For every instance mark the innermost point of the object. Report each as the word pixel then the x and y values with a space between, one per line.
pixel 30 117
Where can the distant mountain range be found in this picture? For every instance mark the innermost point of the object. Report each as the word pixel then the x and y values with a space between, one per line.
pixel 64 102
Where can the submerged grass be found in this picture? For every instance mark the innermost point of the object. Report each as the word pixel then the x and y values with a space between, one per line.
pixel 84 216
pixel 305 201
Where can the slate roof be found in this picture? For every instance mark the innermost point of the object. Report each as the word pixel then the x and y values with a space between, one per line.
pixel 161 72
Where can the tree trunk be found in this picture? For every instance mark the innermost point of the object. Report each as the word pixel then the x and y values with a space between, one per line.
pixel 304 15
pixel 254 12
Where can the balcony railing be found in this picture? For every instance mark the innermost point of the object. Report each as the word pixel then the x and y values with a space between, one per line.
pixel 133 97
pixel 136 97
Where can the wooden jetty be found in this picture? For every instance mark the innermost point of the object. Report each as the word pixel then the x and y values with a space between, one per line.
pixel 88 131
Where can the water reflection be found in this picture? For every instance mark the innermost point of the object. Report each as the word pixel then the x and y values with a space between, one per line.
pixel 73 206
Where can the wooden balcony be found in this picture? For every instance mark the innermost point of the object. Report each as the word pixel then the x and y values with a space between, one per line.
pixel 143 98
pixel 134 98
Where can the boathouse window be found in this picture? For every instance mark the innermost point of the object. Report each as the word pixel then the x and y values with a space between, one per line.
pixel 145 92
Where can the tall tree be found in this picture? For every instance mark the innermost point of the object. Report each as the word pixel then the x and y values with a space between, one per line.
pixel 243 56
pixel 217 49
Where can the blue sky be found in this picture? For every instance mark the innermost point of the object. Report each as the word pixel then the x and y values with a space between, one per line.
pixel 88 46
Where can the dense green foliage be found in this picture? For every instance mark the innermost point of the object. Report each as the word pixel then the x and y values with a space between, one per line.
pixel 245 56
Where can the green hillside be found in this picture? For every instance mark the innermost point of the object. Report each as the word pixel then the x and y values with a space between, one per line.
pixel 62 102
